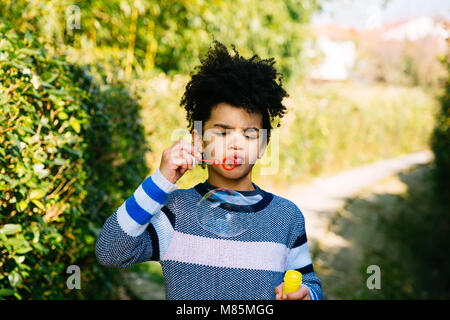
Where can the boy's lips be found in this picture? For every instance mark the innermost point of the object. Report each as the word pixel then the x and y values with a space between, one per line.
pixel 237 159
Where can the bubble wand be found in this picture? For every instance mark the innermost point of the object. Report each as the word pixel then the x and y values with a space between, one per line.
pixel 216 162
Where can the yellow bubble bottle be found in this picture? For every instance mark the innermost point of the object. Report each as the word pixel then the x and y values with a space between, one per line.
pixel 292 281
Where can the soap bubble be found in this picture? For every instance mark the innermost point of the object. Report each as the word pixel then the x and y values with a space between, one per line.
pixel 224 212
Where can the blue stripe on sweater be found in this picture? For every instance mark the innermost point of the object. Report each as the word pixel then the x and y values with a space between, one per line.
pixel 300 240
pixel 136 212
pixel 153 191
pixel 312 294
pixel 306 269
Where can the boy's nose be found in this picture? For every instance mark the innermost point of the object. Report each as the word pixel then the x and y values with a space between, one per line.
pixel 236 141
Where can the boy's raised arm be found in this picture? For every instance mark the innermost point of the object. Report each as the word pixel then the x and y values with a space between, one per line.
pixel 139 230
pixel 124 240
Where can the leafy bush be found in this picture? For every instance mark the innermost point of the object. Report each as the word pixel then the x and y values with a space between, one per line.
pixel 71 151
pixel 166 36
pixel 440 142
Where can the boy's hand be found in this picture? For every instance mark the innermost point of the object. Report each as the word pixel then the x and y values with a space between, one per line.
pixel 301 294
pixel 176 160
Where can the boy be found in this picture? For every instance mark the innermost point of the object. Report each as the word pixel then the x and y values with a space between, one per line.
pixel 234 100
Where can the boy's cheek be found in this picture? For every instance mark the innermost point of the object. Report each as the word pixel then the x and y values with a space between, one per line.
pixel 253 155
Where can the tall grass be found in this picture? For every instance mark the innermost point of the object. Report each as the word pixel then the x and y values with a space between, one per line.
pixel 335 126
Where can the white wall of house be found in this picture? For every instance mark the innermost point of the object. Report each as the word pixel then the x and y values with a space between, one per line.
pixel 415 29
pixel 338 59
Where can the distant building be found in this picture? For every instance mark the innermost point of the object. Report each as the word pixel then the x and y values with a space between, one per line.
pixel 415 29
pixel 338 59
pixel 336 50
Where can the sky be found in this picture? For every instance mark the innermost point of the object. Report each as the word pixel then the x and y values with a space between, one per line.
pixel 366 14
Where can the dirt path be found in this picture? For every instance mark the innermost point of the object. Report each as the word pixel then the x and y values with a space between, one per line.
pixel 341 229
pixel 321 199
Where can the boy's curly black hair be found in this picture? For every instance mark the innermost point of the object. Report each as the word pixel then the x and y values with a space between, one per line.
pixel 247 83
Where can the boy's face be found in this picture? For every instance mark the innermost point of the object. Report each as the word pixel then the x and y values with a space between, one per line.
pixel 232 132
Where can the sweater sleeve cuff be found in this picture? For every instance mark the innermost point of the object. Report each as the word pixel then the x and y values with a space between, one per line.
pixel 162 182
pixel 312 294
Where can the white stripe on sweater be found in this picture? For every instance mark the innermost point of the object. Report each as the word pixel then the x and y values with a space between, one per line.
pixel 131 227
pixel 165 185
pixel 227 253
pixel 164 230
pixel 145 202
pixel 298 257
pixel 128 225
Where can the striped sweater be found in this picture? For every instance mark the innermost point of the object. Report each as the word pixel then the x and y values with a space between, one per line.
pixel 158 222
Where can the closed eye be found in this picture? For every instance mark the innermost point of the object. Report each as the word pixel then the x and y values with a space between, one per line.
pixel 251 134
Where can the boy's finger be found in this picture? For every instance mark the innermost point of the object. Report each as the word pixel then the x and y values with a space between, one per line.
pixel 187 158
pixel 300 294
pixel 183 160
pixel 182 152
pixel 278 291
pixel 279 288
pixel 186 146
pixel 190 159
pixel 180 162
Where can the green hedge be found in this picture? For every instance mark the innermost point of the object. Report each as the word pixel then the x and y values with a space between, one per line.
pixel 440 142
pixel 167 36
pixel 71 150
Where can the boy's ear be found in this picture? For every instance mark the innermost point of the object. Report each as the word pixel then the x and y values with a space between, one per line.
pixel 197 140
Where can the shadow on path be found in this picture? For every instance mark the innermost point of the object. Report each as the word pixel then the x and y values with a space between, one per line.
pixel 396 224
